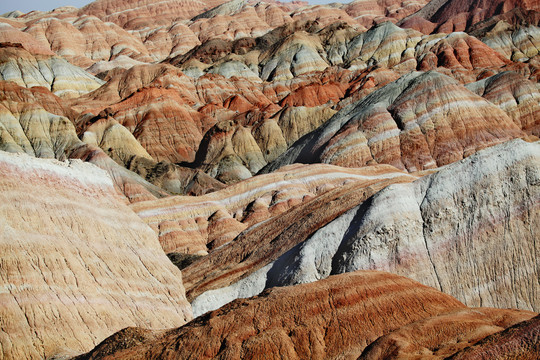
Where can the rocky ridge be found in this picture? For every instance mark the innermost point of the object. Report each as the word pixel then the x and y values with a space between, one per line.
pixel 333 318
pixel 414 230
pixel 304 141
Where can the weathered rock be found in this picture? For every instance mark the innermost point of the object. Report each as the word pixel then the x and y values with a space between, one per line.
pixel 35 121
pixel 415 230
pixel 369 12
pixel 13 34
pixel 518 97
pixel 459 15
pixel 516 43
pixel 420 121
pixel 129 14
pixel 185 224
pixel 441 336
pixel 448 230
pixel 297 54
pixel 521 341
pixel 77 263
pixel 62 78
pixel 333 318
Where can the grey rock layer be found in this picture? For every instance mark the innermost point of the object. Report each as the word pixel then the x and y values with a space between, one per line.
pixel 470 230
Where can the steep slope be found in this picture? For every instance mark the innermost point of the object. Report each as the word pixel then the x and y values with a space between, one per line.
pixel 517 96
pixel 420 121
pixel 77 263
pixel 436 230
pixel 36 122
pixel 195 225
pixel 521 341
pixel 440 337
pixel 449 230
pixel 334 318
pixel 456 15
pixel 54 73
pixel 133 14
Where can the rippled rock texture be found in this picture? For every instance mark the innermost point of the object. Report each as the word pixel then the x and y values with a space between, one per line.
pixel 333 318
pixel 260 146
pixel 77 263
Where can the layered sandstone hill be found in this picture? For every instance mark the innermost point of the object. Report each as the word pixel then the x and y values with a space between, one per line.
pixel 457 15
pixel 421 121
pixel 113 31
pixel 521 341
pixel 333 318
pixel 223 119
pixel 423 338
pixel 194 225
pixel 36 122
pixel 63 79
pixel 77 263
pixel 436 230
pixel 262 144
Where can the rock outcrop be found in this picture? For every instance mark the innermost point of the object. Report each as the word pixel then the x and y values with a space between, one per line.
pixel 517 96
pixel 195 225
pixel 450 230
pixel 459 15
pixel 521 341
pixel 441 337
pixel 77 263
pixel 63 79
pixel 420 121
pixel 333 318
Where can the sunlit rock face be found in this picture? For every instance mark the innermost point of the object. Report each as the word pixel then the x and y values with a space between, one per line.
pixel 333 318
pixel 436 230
pixel 195 225
pixel 63 79
pixel 263 147
pixel 420 121
pixel 77 263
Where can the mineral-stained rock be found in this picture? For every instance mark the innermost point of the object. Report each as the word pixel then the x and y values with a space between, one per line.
pixel 369 12
pixel 131 14
pixel 87 39
pixel 518 97
pixel 521 341
pixel 295 122
pixel 11 34
pixel 384 44
pixel 185 224
pixel 420 121
pixel 35 121
pixel 77 263
pixel 517 43
pixel 297 54
pixel 459 15
pixel 441 336
pixel 333 318
pixel 436 230
pixel 62 78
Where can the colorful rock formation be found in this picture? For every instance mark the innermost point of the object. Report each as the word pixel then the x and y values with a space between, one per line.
pixel 196 224
pixel 263 144
pixel 77 263
pixel 333 318
pixel 401 229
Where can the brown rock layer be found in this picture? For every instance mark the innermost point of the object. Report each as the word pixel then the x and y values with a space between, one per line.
pixel 333 318
pixel 194 225
pixel 442 336
pixel 521 341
